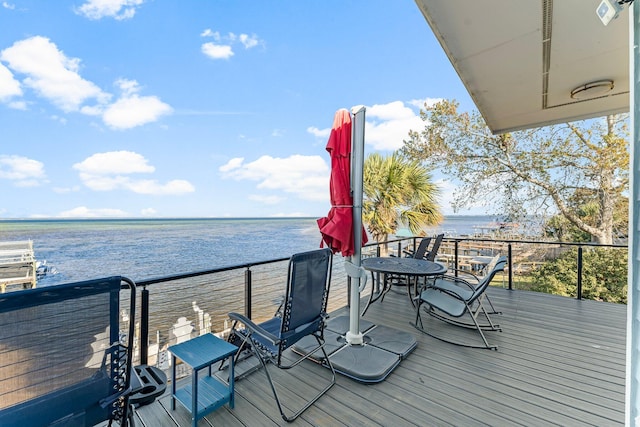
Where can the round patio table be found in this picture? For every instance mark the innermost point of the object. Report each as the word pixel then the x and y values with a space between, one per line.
pixel 412 268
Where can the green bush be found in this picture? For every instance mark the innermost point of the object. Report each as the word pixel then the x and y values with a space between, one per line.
pixel 604 275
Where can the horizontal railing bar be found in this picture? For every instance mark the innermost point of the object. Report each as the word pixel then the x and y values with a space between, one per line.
pixel 152 281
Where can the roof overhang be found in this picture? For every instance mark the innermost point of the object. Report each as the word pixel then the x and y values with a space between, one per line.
pixel 520 59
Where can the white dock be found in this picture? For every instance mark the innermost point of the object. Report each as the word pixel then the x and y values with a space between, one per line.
pixel 17 265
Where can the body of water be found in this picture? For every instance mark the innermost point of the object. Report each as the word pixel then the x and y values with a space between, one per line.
pixel 148 248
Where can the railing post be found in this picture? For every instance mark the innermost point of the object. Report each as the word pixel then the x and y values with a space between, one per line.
pixel 579 272
pixel 510 261
pixel 455 257
pixel 144 326
pixel 399 248
pixel 247 292
pixel 377 287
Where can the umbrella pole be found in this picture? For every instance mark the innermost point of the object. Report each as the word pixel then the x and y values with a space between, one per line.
pixel 354 336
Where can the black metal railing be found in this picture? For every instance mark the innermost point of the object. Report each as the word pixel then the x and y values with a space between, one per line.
pixel 456 241
pixel 242 287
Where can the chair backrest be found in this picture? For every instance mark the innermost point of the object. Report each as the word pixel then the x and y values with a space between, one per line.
pixel 422 248
pixel 500 265
pixel 487 268
pixel 60 353
pixel 307 289
pixel 431 256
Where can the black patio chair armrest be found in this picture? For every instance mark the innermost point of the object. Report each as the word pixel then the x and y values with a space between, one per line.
pixel 253 327
pixel 456 280
pixel 466 273
pixel 452 294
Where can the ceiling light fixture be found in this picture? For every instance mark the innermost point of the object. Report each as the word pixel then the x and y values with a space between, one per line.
pixel 592 89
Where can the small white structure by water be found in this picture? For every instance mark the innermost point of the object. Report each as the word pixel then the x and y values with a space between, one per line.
pixel 17 265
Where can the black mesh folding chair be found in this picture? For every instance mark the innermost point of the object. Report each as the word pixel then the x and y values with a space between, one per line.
pixel 303 313
pixel 431 255
pixel 64 361
pixel 421 251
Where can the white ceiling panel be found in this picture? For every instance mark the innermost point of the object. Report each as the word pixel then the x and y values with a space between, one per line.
pixel 498 50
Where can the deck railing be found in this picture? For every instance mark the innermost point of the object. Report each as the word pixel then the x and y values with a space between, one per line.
pixel 256 288
pixel 523 255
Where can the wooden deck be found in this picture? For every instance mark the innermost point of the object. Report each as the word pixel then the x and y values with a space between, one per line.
pixel 560 362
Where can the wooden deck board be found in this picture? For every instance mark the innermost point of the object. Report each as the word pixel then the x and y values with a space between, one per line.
pixel 559 362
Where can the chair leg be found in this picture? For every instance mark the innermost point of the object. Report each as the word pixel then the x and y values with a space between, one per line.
pixel 292 417
pixel 481 308
pixel 432 313
pixel 493 310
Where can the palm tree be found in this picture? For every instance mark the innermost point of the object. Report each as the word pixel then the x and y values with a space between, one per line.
pixel 397 190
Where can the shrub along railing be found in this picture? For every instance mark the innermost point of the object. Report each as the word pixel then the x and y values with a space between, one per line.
pixel 256 288
pixel 523 256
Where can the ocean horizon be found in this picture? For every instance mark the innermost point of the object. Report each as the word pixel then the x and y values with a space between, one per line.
pixel 144 248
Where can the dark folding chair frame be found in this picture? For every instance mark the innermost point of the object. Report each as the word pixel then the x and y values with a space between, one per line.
pixel 398 280
pixel 461 275
pixel 303 313
pixel 62 361
pixel 431 256
pixel 451 298
pixel 421 251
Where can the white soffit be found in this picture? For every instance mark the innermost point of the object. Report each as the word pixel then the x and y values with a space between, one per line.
pixel 518 81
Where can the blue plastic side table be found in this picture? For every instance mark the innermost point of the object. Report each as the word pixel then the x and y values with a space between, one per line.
pixel 204 395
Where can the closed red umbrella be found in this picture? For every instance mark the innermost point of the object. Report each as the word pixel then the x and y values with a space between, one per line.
pixel 337 227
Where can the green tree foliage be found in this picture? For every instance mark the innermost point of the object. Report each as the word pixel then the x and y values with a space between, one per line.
pixel 604 275
pixel 539 171
pixel 397 190
pixel 559 228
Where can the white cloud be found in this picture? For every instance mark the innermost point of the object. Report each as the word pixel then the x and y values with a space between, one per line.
pixel 217 51
pixel 420 103
pixel 223 46
pixel 389 124
pixel 319 133
pixel 9 86
pixel 8 5
pixel 109 171
pixel 22 171
pixel 66 190
pixel 55 77
pixel 51 73
pixel 117 9
pixel 148 212
pixel 147 186
pixel 84 212
pixel 232 164
pixel 267 200
pixel 291 215
pixel 132 110
pixel 114 162
pixel 305 176
pixel 18 105
pixel 249 41
pixel 209 33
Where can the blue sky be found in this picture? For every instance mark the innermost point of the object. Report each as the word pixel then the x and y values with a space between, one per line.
pixel 167 108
